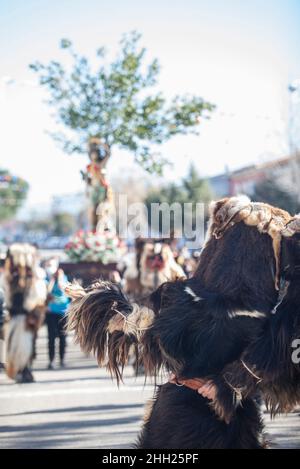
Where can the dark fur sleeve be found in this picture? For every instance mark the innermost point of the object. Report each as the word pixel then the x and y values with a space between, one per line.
pixel 269 364
pixel 233 385
pixel 281 372
pixel 105 323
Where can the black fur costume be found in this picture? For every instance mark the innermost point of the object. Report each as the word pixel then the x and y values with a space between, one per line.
pixel 217 325
pixel 271 363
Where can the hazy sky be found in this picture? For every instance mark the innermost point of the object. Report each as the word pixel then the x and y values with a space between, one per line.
pixel 240 54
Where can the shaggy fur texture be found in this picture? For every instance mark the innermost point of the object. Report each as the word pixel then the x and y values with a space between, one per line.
pixel 153 265
pixel 19 345
pixel 206 327
pixel 114 331
pixel 267 363
pixel 25 298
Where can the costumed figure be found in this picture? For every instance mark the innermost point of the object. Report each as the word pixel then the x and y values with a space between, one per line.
pixel 152 265
pixel 231 326
pixel 25 295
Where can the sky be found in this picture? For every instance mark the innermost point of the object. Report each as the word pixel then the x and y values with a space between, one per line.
pixel 239 54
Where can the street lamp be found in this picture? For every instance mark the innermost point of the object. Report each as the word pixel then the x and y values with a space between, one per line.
pixel 294 85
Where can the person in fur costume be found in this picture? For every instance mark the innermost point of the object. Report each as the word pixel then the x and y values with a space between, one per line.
pixel 198 329
pixel 152 265
pixel 25 296
pixel 271 363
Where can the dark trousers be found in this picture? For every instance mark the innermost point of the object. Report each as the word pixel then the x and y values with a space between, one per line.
pixel 56 328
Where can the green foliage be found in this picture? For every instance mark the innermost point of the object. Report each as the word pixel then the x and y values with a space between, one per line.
pixel 195 188
pixel 58 224
pixel 192 189
pixel 13 192
pixel 63 224
pixel 40 224
pixel 272 193
pixel 115 102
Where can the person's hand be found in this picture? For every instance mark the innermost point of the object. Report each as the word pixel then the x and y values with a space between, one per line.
pixel 208 390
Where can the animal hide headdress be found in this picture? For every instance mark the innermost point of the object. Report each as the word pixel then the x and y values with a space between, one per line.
pixel 21 278
pixel 152 265
pixel 267 219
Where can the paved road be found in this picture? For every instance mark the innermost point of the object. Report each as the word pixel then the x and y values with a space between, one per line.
pixel 80 407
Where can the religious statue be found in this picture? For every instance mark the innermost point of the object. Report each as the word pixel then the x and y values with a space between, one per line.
pixel 98 189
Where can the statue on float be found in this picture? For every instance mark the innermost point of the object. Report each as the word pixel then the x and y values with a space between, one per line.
pixel 99 192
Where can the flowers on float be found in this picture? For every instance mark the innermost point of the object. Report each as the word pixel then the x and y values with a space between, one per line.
pixel 91 246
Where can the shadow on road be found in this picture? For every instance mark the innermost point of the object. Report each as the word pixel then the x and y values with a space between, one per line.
pixel 67 410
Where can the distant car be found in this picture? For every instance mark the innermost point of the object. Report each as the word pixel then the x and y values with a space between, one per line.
pixel 55 242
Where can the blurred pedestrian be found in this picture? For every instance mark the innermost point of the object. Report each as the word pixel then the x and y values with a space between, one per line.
pixel 57 306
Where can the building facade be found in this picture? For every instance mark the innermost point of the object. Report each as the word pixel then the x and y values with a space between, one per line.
pixel 285 172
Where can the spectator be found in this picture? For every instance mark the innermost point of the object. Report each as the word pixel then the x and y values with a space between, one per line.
pixel 57 306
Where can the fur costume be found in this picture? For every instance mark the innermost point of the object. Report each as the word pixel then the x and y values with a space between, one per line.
pixel 200 328
pixel 25 298
pixel 271 364
pixel 152 265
